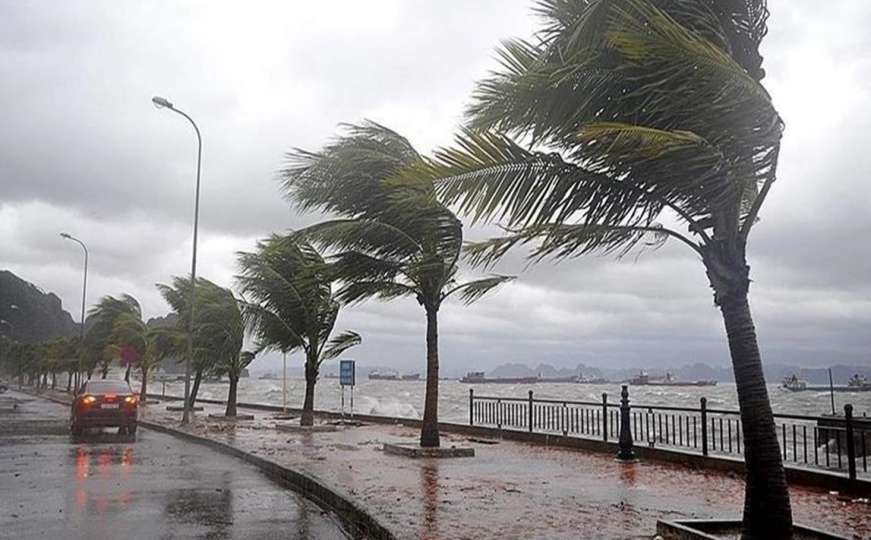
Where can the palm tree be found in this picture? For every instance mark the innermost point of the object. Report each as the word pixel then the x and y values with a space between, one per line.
pixel 220 330
pixel 98 339
pixel 394 239
pixel 143 347
pixel 233 367
pixel 289 303
pixel 215 314
pixel 637 112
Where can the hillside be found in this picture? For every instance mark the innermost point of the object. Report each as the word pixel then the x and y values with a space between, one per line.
pixel 32 315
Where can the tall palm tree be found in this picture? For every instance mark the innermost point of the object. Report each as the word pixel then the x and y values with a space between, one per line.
pixel 393 239
pixel 289 304
pixel 637 111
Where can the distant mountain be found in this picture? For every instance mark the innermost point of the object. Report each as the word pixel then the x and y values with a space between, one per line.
pixel 31 314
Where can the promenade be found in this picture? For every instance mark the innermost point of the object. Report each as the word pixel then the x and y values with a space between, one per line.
pixel 510 489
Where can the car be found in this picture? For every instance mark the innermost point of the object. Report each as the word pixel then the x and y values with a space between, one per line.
pixel 105 403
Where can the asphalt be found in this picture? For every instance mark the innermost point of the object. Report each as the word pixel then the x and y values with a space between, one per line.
pixel 149 486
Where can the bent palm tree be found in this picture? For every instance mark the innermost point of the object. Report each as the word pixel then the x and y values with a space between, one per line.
pixel 143 347
pixel 394 238
pixel 98 339
pixel 220 329
pixel 233 367
pixel 289 304
pixel 211 335
pixel 647 108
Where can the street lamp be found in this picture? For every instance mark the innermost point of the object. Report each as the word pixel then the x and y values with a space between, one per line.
pixel 84 294
pixel 163 103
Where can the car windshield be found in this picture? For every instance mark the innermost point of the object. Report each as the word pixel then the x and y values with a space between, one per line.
pixel 107 387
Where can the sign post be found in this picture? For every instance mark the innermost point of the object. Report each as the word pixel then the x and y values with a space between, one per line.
pixel 347 377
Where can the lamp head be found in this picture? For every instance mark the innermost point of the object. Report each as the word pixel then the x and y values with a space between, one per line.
pixel 160 102
pixel 64 235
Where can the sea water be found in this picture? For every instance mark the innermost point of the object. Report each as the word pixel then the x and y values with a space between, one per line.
pixel 405 398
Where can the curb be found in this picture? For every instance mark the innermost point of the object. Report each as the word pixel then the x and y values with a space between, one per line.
pixel 360 523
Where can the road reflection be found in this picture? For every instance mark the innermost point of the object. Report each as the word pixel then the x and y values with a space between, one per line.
pixel 95 468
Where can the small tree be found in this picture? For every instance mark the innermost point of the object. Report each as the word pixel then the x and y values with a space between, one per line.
pixel 289 303
pixel 394 239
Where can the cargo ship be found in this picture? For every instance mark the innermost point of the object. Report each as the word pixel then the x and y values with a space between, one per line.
pixel 478 377
pixel 393 376
pixel 643 379
pixel 857 383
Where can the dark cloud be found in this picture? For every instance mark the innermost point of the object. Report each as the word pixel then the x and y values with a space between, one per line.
pixel 83 150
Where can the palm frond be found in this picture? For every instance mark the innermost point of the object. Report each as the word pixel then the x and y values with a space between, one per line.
pixel 472 291
pixel 340 343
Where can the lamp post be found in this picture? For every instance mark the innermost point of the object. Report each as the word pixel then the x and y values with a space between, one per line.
pixel 84 294
pixel 163 103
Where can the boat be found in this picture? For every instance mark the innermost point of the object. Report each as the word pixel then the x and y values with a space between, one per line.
pixel 383 376
pixel 643 379
pixel 595 380
pixel 857 383
pixel 794 384
pixel 392 376
pixel 478 377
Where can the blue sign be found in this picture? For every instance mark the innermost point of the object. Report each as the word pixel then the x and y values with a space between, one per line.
pixel 347 373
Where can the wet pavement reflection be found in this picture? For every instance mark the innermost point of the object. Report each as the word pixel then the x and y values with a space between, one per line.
pixel 103 485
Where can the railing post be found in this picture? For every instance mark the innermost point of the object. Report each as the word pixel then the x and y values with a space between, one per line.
pixel 471 407
pixel 851 449
pixel 704 410
pixel 605 416
pixel 499 414
pixel 626 452
pixel 530 411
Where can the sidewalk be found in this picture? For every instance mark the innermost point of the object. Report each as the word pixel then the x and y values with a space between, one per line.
pixel 510 489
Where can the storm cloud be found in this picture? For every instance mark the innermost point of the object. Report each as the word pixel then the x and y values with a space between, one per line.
pixel 83 150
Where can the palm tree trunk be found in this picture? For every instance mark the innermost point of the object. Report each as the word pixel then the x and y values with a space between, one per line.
pixel 198 376
pixel 429 432
pixel 53 380
pixel 308 406
pixel 127 374
pixel 231 396
pixel 767 511
pixel 143 388
pixel 69 380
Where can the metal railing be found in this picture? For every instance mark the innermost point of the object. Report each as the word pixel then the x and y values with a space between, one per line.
pixel 836 443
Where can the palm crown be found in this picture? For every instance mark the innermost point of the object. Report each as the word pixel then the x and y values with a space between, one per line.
pixel 394 238
pixel 652 106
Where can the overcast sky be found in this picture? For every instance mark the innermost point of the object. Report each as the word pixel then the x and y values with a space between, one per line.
pixel 83 150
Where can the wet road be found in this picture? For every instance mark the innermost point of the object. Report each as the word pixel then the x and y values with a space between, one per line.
pixel 106 486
